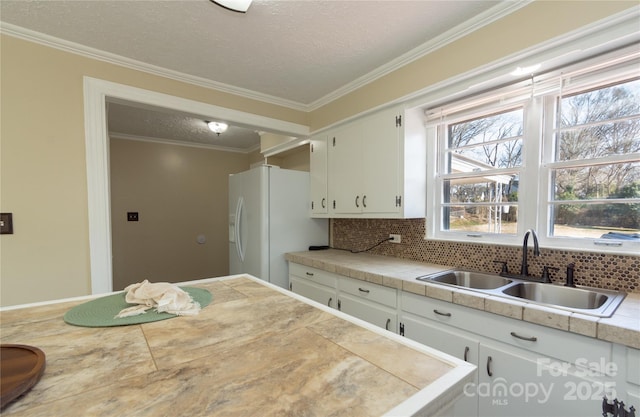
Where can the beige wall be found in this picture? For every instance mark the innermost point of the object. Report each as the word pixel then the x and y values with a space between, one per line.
pixel 42 167
pixel 179 193
pixel 43 173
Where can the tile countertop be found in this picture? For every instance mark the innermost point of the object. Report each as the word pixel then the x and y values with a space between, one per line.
pixel 255 350
pixel 622 328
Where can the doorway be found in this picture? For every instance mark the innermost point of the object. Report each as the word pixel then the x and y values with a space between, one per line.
pixel 96 94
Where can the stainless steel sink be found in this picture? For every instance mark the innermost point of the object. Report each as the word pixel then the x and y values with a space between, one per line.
pixel 565 297
pixel 469 279
pixel 553 294
pixel 585 300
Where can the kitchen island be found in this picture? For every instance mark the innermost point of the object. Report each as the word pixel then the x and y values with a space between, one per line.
pixel 255 350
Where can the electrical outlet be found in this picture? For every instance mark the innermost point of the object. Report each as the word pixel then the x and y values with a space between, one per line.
pixel 132 216
pixel 394 238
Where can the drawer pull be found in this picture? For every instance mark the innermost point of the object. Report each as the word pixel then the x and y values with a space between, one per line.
pixel 310 274
pixel 466 353
pixel 440 313
pixel 386 326
pixel 363 290
pixel 489 371
pixel 528 339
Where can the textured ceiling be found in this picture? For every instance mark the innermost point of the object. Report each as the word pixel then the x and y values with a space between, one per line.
pixel 297 53
pixel 131 121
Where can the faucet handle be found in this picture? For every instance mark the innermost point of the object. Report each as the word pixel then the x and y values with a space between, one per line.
pixel 546 278
pixel 505 269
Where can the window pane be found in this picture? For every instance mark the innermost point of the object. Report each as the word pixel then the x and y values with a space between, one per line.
pixel 600 122
pixel 493 141
pixel 617 138
pixel 603 104
pixel 486 219
pixel 463 215
pixel 597 220
pixel 479 158
pixel 597 181
pixel 497 188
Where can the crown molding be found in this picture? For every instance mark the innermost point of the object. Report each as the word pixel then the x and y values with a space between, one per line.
pixel 451 35
pixel 97 54
pixel 126 136
pixel 483 19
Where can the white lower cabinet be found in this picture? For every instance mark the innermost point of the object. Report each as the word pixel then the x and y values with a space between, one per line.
pixel 524 369
pixel 314 284
pixel 370 302
pixel 514 377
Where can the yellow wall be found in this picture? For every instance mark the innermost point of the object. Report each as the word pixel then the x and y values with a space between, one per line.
pixel 42 165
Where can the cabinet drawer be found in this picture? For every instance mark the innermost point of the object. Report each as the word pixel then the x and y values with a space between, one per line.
pixel 368 291
pixel 565 346
pixel 313 274
pixel 442 311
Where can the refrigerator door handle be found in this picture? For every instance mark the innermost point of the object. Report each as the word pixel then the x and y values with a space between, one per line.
pixel 238 224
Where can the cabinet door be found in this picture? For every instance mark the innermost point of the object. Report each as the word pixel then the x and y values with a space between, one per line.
pixel 345 169
pixel 313 291
pixel 381 165
pixel 373 313
pixel 318 173
pixel 514 382
pixel 449 341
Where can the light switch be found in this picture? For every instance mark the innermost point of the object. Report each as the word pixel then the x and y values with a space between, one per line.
pixel 6 223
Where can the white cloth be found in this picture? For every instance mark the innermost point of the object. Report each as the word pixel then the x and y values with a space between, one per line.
pixel 163 296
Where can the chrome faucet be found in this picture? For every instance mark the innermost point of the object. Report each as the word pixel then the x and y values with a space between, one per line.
pixel 524 268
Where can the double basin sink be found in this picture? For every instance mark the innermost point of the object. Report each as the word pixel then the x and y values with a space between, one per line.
pixel 585 300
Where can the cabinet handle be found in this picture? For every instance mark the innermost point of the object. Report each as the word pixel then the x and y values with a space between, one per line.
pixel 386 326
pixel 310 274
pixel 363 290
pixel 440 313
pixel 291 286
pixel 339 305
pixel 364 201
pixel 330 300
pixel 357 201
pixel 324 200
pixel 528 339
pixel 489 371
pixel 466 353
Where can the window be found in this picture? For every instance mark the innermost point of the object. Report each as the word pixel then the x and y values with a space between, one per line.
pixel 559 154
pixel 594 169
pixel 482 157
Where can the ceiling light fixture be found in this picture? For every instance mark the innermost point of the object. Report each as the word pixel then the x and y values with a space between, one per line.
pixel 217 127
pixel 240 6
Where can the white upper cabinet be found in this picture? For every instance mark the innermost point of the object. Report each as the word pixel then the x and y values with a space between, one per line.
pixel 376 167
pixel 318 175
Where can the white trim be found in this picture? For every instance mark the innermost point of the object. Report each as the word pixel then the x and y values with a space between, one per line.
pixel 125 136
pixel 457 32
pixel 483 19
pixel 96 94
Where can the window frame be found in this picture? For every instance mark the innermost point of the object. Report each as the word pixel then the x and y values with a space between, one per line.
pixel 534 205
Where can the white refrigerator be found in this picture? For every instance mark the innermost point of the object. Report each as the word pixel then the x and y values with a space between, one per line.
pixel 269 215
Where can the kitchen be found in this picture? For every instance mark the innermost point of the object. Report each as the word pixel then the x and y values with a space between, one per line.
pixel 60 241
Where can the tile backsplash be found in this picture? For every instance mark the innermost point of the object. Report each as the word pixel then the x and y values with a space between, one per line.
pixel 601 270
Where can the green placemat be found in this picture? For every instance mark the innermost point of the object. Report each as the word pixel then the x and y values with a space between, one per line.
pixel 101 312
